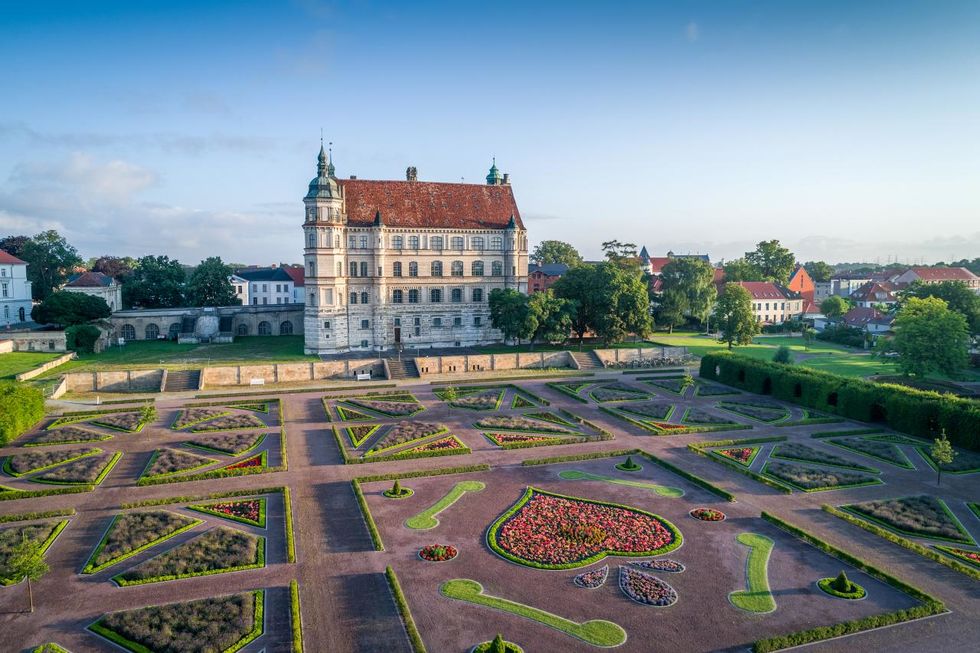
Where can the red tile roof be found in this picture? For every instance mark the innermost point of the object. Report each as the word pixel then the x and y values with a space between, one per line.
pixel 89 280
pixel 811 309
pixel 10 259
pixel 763 290
pixel 944 274
pixel 427 204
pixel 657 263
pixel 297 274
pixel 860 316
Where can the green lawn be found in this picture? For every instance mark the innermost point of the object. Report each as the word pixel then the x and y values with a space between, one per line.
pixel 16 362
pixel 162 353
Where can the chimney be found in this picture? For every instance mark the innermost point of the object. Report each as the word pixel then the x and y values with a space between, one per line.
pixel 353 176
pixel 411 174
pixel 506 181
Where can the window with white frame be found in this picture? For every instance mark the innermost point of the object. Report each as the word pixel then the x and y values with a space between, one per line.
pixel 396 269
pixel 396 242
pixel 496 243
pixel 476 268
pixel 457 269
pixel 435 242
pixel 437 268
pixel 413 242
pixel 477 242
pixel 457 242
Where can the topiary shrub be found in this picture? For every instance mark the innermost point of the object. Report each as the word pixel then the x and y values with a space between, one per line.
pixel 783 355
pixel 841 584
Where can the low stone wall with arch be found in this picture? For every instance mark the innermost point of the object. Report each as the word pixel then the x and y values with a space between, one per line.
pixel 160 323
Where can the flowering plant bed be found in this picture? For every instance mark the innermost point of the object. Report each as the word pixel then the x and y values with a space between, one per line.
pixel 707 389
pixel 965 462
pixel 223 624
pixel 233 444
pixel 662 564
pixel 816 479
pixel 652 409
pixel 553 531
pixel 660 427
pixel 190 416
pixel 592 579
pixel 616 392
pixel 43 534
pixel 219 550
pixel 67 435
pixel 741 455
pixel 89 470
pixel 391 408
pixel 438 552
pixel 673 384
pixel 246 511
pixel 230 422
pixel 758 410
pixel 698 416
pixel 646 589
pixel 132 532
pixel 550 417
pixel 38 461
pixel 165 462
pixel 346 414
pixel 442 444
pixel 358 434
pixel 518 423
pixel 129 422
pixel 504 439
pixel 707 514
pixel 252 462
pixel 919 516
pixel 806 453
pixel 485 399
pixel 404 433
pixel 972 558
pixel 883 451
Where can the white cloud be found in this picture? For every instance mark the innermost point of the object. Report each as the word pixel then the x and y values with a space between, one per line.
pixel 692 32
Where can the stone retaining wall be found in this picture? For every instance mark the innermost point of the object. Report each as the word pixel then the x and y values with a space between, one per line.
pixel 290 372
pixel 124 381
pixel 38 371
pixel 466 363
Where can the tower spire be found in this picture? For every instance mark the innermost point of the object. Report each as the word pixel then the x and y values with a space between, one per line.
pixel 330 169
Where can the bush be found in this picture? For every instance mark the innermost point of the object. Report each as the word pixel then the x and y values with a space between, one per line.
pixel 295 617
pixel 21 407
pixel 82 337
pixel 396 591
pixel 841 584
pixel 783 355
pixel 843 335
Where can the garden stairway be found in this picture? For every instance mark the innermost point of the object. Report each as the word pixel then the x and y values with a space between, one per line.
pixel 182 380
pixel 403 369
pixel 587 360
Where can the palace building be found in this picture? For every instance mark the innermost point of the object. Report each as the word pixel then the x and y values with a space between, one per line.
pixel 407 264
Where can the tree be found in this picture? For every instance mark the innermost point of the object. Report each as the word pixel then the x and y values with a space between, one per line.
pixel 14 245
pixel 734 314
pixel 783 355
pixel 741 270
pixel 26 560
pixel 498 645
pixel 156 282
pixel 624 306
pixel 943 453
pixel 82 337
pixel 617 251
pixel 70 308
pixel 774 262
pixel 510 313
pixel 834 307
pixel 148 413
pixel 210 284
pixel 694 278
pixel 686 382
pixel 841 584
pixel 553 316
pixel 556 251
pixel 819 271
pixel 956 294
pixel 671 308
pixel 809 333
pixel 578 285
pixel 450 395
pixel 114 266
pixel 50 259
pixel 930 338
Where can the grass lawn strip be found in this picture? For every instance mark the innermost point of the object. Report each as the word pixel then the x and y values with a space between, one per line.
pixel 922 516
pixel 661 490
pixel 217 551
pixel 231 506
pixel 191 416
pixel 130 533
pixel 810 478
pixel 806 453
pixel 965 462
pixel 228 444
pixel 39 461
pixel 427 518
pixel 757 597
pixel 886 452
pixel 90 470
pixel 167 462
pixel 67 435
pixel 11 537
pixel 186 626
pixel 596 632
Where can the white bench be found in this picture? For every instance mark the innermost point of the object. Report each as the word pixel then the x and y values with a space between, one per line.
pixel 363 376
pixel 258 381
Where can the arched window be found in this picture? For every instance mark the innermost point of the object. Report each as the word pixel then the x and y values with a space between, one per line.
pixel 457 295
pixel 396 269
pixel 496 269
pixel 457 242
pixel 413 269
pixel 477 242
pixel 396 296
pixel 353 298
pixel 437 268
pixel 128 332
pixel 152 331
pixel 364 298
pixel 477 269
pixel 265 329
pixel 413 242
pixel 478 294
pixel 413 296
pixel 286 328
pixel 435 242
pixel 243 329
pixel 457 269
pixel 174 330
pixel 435 296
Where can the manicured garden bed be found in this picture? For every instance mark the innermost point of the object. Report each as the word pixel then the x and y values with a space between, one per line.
pixel 883 451
pixel 257 461
pixel 233 444
pixel 919 516
pixel 67 435
pixel 37 461
pixel 230 423
pixel 519 423
pixel 592 579
pixel 757 597
pixel 616 392
pixel 128 422
pixel 674 384
pixel 255 407
pixel 707 514
pixel 358 434
pixel 390 405
pixel 449 443
pixel 476 399
pixel 165 462
pixel 707 389
pixel 806 453
pixel 132 532
pixel 817 479
pixel 741 455
pixel 762 411
pixel 971 558
pixel 965 462
pixel 702 417
pixel 45 534
pixel 665 565
pixel 646 589
pixel 404 433
pixel 346 414
pixel 245 511
pixel 90 470
pixel 190 416
pixel 650 409
pixel 505 439
pixel 438 552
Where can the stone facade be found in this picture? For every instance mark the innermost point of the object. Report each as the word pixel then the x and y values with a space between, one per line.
pixel 407 263
pixel 220 324
pixel 15 290
pixel 38 340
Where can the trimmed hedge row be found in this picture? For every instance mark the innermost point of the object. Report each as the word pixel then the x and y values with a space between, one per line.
pixel 419 473
pixel 579 456
pixel 353 460
pixel 368 517
pixel 903 542
pixel 288 517
pixel 192 498
pixel 396 591
pixel 904 409
pixel 30 494
pixel 696 480
pixel 26 516
pixel 21 407
pixel 929 606
pixel 296 617
pixel 844 433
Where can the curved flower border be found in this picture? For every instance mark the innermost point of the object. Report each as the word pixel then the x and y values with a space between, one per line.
pixel 491 536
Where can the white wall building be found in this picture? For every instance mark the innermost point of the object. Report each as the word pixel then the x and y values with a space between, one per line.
pixel 264 287
pixel 97 284
pixel 15 290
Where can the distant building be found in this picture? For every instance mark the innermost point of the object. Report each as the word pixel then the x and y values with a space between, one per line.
pixel 802 283
pixel 298 275
pixel 868 319
pixel 264 286
pixel 875 293
pixel 938 275
pixel 773 303
pixel 844 284
pixel 15 290
pixel 542 277
pixel 822 290
pixel 97 284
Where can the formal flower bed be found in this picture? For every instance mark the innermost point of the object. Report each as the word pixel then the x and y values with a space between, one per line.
pixel 36 461
pixel 646 589
pixel 965 462
pixel 230 422
pixel 67 435
pixel 885 451
pixel 404 433
pixel 438 552
pixel 616 392
pixel 358 434
pixel 233 444
pixel 922 516
pixel 673 384
pixel 392 408
pixel 503 439
pixel 172 461
pixel 650 409
pixel 592 579
pixel 255 407
pixel 707 389
pixel 131 422
pixel 258 460
pixel 487 400
pixel 698 416
pixel 11 537
pixel 663 564
pixel 520 401
pixel 442 444
pixel 89 470
pixel 246 511
pixel 350 415
pixel 804 452
pixel 553 531
pixel 741 455
pixel 707 514
pixel 970 557
pixel 549 417
pixel 762 411
pixel 132 532
pixel 812 479
pixel 189 416
pixel 517 423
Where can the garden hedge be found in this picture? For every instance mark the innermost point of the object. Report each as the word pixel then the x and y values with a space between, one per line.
pixel 368 517
pixel 904 409
pixel 26 516
pixel 295 616
pixel 21 407
pixel 29 494
pixel 396 591
pixel 701 448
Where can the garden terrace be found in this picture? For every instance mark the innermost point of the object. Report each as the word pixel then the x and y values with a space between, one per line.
pixel 883 451
pixel 919 516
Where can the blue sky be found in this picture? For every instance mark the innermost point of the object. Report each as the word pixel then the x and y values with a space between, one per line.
pixel 847 130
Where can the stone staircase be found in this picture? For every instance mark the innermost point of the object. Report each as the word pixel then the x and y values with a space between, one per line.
pixel 182 380
pixel 403 369
pixel 587 360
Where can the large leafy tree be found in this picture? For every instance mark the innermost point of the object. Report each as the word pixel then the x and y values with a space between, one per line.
pixel 119 267
pixel 553 316
pixel 209 284
pixel 50 259
pixel 671 308
pixel 610 298
pixel 157 282
pixel 929 337
pixel 578 285
pixel 14 245
pixel 956 294
pixel 741 270
pixel 734 314
pixel 774 262
pixel 510 313
pixel 26 560
pixel 819 271
pixel 617 251
pixel 70 308
pixel 694 279
pixel 556 251
pixel 834 307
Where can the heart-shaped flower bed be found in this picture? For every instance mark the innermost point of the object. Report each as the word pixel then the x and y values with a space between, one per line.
pixel 553 531
pixel 438 552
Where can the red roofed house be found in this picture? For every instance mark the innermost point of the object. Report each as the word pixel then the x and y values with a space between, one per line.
pixel 772 303
pixel 542 277
pixel 938 275
pixel 298 275
pixel 15 290
pixel 802 283
pixel 868 319
pixel 97 285
pixel 407 263
pixel 874 293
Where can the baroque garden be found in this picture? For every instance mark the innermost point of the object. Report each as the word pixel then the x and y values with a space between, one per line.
pixel 636 511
